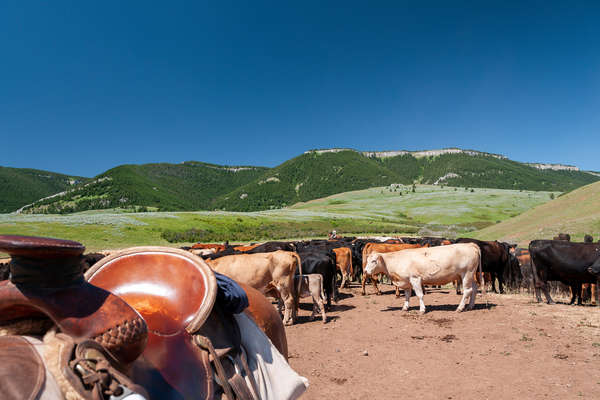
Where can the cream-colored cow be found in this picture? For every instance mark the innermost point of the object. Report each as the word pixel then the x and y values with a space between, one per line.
pixel 413 268
pixel 264 272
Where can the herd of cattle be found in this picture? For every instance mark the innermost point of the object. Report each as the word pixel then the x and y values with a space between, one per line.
pixel 290 270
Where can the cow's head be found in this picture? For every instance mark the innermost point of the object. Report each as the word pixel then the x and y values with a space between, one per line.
pixel 595 268
pixel 374 264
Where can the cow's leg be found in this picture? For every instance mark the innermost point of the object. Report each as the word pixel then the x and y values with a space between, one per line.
pixel 595 299
pixel 315 310
pixel 574 289
pixel 374 281
pixel 547 293
pixel 417 285
pixel 318 307
pixel 538 294
pixel 473 295
pixel 406 299
pixel 363 283
pixel 500 283
pixel 288 304
pixel 457 285
pixel 467 290
pixel 397 291
pixel 334 288
pixel 344 279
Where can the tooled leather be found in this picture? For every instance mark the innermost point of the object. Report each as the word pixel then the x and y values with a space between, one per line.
pixel 121 336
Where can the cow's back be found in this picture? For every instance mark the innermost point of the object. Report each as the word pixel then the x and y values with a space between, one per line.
pixel 443 261
pixel 252 269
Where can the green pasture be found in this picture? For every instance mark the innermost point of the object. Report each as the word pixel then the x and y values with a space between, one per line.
pixel 429 210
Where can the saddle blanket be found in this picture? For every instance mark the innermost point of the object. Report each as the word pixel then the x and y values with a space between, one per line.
pixel 275 379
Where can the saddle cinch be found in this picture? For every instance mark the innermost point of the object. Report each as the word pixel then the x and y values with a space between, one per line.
pixel 142 322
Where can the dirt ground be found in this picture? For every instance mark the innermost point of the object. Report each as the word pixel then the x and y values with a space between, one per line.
pixel 513 348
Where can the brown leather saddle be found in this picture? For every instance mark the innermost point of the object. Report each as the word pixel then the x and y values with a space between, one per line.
pixel 152 308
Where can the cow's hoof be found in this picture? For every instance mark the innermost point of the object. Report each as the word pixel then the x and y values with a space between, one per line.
pixel 421 312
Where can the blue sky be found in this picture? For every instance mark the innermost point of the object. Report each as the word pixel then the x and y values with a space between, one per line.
pixel 86 86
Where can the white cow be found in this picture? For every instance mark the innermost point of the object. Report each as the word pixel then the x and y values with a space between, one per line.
pixel 413 268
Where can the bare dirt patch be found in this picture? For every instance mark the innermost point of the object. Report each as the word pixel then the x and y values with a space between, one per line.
pixel 511 348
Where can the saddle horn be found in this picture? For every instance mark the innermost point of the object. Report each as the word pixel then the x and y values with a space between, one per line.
pixel 46 280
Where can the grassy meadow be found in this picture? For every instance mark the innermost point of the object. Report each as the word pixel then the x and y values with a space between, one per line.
pixel 576 213
pixel 430 210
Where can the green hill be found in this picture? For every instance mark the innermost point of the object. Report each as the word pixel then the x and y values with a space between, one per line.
pixel 485 171
pixel 576 213
pixel 187 186
pixel 309 176
pixel 321 173
pixel 21 186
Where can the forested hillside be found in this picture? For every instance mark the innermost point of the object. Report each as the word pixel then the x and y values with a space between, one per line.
pixel 20 186
pixel 186 186
pixel 309 176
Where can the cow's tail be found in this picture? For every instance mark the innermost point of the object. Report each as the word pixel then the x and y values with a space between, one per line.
pixel 351 269
pixel 481 278
pixel 299 263
pixel 296 293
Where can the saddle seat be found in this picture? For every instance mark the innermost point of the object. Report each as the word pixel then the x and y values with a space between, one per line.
pixel 174 291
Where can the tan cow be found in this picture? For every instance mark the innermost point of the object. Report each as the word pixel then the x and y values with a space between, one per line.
pixel 381 248
pixel 413 268
pixel 203 252
pixel 343 262
pixel 312 285
pixel 264 271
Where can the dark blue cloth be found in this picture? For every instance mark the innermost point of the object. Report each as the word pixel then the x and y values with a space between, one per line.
pixel 231 297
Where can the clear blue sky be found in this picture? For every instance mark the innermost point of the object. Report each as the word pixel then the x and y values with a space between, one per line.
pixel 86 86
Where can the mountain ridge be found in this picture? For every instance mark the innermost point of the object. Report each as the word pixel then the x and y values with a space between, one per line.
pixel 194 185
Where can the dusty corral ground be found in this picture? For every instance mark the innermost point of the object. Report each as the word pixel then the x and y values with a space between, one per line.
pixel 514 348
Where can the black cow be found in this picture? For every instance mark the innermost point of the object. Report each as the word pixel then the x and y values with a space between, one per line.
pixel 4 271
pixel 272 246
pixel 323 263
pixel 497 260
pixel 571 263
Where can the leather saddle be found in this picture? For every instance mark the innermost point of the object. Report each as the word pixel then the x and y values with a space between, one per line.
pixel 152 309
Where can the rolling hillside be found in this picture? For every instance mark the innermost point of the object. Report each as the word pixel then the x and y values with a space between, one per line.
pixel 309 176
pixel 321 173
pixel 314 174
pixel 485 171
pixel 187 186
pixel 430 210
pixel 21 186
pixel 576 213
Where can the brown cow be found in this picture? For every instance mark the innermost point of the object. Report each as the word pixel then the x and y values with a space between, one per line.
pixel 246 247
pixel 264 271
pixel 343 262
pixel 217 247
pixel 382 248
